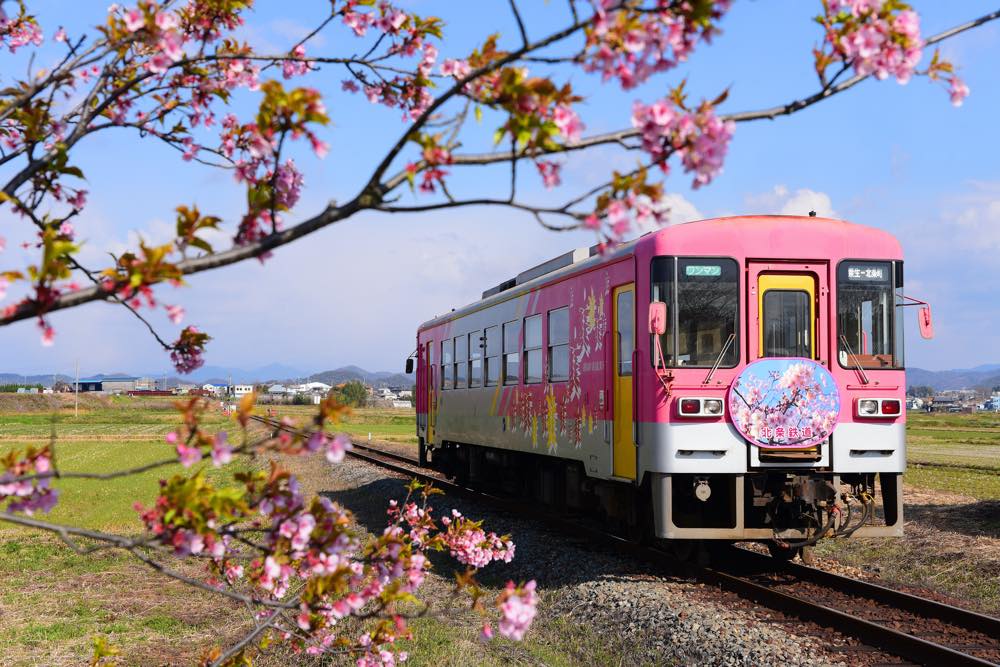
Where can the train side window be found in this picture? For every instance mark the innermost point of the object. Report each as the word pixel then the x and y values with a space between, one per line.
pixel 626 332
pixel 476 359
pixel 447 359
pixel 492 361
pixel 533 349
pixel 511 352
pixel 559 344
pixel 461 359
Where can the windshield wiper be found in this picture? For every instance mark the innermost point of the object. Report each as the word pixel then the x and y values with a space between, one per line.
pixel 718 360
pixel 857 362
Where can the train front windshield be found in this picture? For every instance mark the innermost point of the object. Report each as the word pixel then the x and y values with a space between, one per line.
pixel 702 297
pixel 869 327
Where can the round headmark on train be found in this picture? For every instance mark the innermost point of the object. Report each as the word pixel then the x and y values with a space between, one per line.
pixel 784 403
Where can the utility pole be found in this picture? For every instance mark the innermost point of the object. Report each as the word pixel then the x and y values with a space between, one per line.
pixel 76 407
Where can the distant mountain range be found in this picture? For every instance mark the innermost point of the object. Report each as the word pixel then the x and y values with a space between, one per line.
pixel 225 374
pixel 986 375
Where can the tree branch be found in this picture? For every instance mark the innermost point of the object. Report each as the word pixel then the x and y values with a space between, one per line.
pixel 373 191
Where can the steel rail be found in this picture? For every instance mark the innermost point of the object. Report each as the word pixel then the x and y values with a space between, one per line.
pixel 901 644
pixel 965 618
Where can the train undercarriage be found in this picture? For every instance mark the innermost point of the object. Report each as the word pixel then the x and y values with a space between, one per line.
pixel 788 510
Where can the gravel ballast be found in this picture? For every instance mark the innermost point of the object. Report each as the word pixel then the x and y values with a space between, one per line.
pixel 640 615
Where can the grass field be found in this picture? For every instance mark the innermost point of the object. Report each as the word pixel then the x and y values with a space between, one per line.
pixel 53 601
pixel 957 453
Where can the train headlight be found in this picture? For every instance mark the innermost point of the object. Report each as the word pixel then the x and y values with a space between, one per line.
pixel 713 406
pixel 700 406
pixel 888 408
pixel 868 408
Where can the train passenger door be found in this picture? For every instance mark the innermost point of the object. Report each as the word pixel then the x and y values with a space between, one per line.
pixel 429 381
pixel 623 344
pixel 788 305
pixel 787 317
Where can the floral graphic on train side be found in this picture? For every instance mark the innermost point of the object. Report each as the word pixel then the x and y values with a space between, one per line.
pixel 560 410
pixel 779 403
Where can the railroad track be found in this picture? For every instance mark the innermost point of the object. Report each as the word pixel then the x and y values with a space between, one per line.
pixel 917 629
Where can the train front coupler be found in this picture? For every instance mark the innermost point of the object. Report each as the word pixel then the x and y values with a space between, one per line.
pixel 804 510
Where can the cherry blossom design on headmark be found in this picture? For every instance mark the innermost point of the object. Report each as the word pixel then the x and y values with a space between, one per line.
pixel 784 403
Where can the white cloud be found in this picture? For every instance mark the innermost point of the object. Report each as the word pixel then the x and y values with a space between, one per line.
pixel 293 31
pixel 781 201
pixel 681 210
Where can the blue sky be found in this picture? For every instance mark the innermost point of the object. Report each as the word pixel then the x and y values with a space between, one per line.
pixel 896 157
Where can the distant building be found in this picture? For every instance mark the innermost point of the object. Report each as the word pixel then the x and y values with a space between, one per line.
pixel 215 389
pixel 313 388
pixel 241 390
pixel 119 384
pixel 144 384
pixel 278 390
pixel 404 393
pixel 91 384
pixel 914 403
pixel 402 404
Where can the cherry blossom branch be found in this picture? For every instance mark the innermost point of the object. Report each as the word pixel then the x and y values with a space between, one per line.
pixel 520 22
pixel 770 113
pixel 272 621
pixel 374 191
pixel 374 188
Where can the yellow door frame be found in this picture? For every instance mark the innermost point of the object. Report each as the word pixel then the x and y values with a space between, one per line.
pixel 800 282
pixel 622 444
pixel 431 397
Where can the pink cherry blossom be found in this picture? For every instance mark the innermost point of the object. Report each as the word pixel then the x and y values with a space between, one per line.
pixel 550 172
pixel 568 123
pixel 292 68
pixel 456 68
pixel 175 313
pixel 166 20
pixel 320 148
pixel 60 35
pixel 188 456
pixel 337 447
pixel 78 200
pixel 222 452
pixel 518 609
pixel 134 20
pixel 958 91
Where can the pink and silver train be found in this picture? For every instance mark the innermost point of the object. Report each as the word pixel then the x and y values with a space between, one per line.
pixel 730 379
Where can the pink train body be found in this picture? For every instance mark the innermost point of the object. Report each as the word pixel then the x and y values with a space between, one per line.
pixel 554 380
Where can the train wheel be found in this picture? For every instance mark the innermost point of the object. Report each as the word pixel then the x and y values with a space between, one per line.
pixel 685 551
pixel 781 552
pixel 807 555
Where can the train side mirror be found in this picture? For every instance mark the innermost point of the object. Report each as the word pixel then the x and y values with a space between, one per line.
pixel 409 365
pixel 657 318
pixel 925 321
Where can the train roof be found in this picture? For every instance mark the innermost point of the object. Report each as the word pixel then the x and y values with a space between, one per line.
pixel 751 236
